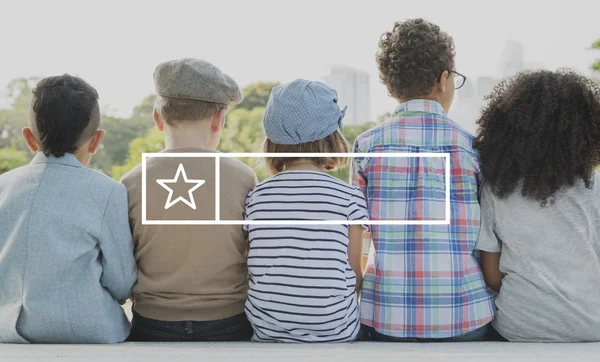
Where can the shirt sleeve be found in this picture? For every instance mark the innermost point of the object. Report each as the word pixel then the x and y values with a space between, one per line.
pixel 246 210
pixel 119 271
pixel 488 239
pixel 357 210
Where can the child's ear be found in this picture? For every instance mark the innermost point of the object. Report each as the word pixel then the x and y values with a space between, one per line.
pixel 30 139
pixel 158 122
pixel 218 121
pixel 442 81
pixel 95 141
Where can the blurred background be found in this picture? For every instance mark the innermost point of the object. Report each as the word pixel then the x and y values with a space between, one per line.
pixel 115 46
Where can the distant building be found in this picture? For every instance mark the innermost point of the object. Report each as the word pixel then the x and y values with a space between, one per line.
pixel 352 86
pixel 511 59
pixel 470 99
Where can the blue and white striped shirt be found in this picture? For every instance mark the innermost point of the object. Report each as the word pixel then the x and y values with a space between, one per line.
pixel 302 288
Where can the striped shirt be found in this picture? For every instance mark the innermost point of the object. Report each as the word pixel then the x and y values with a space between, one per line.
pixel 425 281
pixel 302 288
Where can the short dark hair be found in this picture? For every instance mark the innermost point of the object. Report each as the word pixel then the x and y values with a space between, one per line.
pixel 413 56
pixel 66 113
pixel 539 133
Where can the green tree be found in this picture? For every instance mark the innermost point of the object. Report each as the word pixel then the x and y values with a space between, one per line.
pixel 256 95
pixel 152 142
pixel 244 132
pixel 384 117
pixel 120 133
pixel 142 118
pixel 11 158
pixel 115 146
pixel 596 64
pixel 351 132
pixel 18 93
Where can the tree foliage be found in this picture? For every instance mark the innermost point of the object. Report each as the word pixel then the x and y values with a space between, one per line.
pixel 152 142
pixel 127 138
pixel 18 92
pixel 244 132
pixel 596 64
pixel 11 158
pixel 257 95
pixel 13 120
pixel 120 133
pixel 351 133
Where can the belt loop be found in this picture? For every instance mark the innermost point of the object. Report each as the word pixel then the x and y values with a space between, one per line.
pixel 189 328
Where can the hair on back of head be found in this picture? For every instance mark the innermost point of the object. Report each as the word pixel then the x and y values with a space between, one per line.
pixel 176 110
pixel 66 113
pixel 413 56
pixel 540 132
pixel 334 143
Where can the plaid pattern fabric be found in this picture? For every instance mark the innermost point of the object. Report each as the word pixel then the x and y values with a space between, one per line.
pixel 424 281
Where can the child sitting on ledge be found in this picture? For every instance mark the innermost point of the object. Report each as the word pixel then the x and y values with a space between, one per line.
pixel 539 142
pixel 304 278
pixel 66 252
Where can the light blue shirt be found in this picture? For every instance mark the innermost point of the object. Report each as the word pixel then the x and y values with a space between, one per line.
pixel 66 254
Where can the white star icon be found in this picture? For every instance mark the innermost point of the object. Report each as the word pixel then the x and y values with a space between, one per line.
pixel 180 171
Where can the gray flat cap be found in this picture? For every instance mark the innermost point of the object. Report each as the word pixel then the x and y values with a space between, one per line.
pixel 197 79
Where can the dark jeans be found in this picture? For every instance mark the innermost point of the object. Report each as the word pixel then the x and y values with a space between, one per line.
pixel 494 336
pixel 473 336
pixel 236 328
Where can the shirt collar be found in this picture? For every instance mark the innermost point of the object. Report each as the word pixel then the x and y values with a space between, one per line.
pixel 421 105
pixel 187 150
pixel 68 159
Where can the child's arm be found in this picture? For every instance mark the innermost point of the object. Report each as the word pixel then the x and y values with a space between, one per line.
pixel 357 176
pixel 119 271
pixel 490 265
pixel 488 242
pixel 355 236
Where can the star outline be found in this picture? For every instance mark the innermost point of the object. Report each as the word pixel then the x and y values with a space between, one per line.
pixel 180 171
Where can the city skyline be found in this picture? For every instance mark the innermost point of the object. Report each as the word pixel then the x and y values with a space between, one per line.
pixel 353 88
pixel 117 45
pixel 469 100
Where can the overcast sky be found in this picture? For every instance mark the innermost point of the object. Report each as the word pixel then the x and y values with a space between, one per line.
pixel 115 45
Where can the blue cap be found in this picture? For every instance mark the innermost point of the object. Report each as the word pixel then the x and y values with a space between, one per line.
pixel 302 111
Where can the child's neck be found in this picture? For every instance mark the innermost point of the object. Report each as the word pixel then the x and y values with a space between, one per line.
pixel 303 166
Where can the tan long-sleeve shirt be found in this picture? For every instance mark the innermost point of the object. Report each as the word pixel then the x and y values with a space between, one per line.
pixel 189 272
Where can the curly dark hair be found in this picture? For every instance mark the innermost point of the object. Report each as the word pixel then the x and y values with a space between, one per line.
pixel 540 131
pixel 413 56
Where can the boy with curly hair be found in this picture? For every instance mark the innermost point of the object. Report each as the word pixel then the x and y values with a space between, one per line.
pixel 540 224
pixel 424 283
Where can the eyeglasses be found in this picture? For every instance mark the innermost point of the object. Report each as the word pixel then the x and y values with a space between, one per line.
pixel 459 79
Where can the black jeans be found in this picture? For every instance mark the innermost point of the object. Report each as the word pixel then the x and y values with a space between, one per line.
pixel 236 328
pixel 494 336
pixel 473 336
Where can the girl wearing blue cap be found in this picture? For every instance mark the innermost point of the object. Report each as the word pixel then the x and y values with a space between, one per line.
pixel 304 278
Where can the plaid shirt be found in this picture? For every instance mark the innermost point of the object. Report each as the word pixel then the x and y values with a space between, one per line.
pixel 424 280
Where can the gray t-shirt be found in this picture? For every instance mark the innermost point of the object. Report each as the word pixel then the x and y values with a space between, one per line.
pixel 550 262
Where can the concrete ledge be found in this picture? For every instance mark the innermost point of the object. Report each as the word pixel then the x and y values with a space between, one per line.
pixel 364 351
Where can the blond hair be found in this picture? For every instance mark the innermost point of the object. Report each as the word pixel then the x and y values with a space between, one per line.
pixel 173 110
pixel 334 143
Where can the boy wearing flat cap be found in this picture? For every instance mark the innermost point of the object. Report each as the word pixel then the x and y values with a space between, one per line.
pixel 192 279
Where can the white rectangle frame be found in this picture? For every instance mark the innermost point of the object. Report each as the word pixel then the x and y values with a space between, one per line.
pixel 218 157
